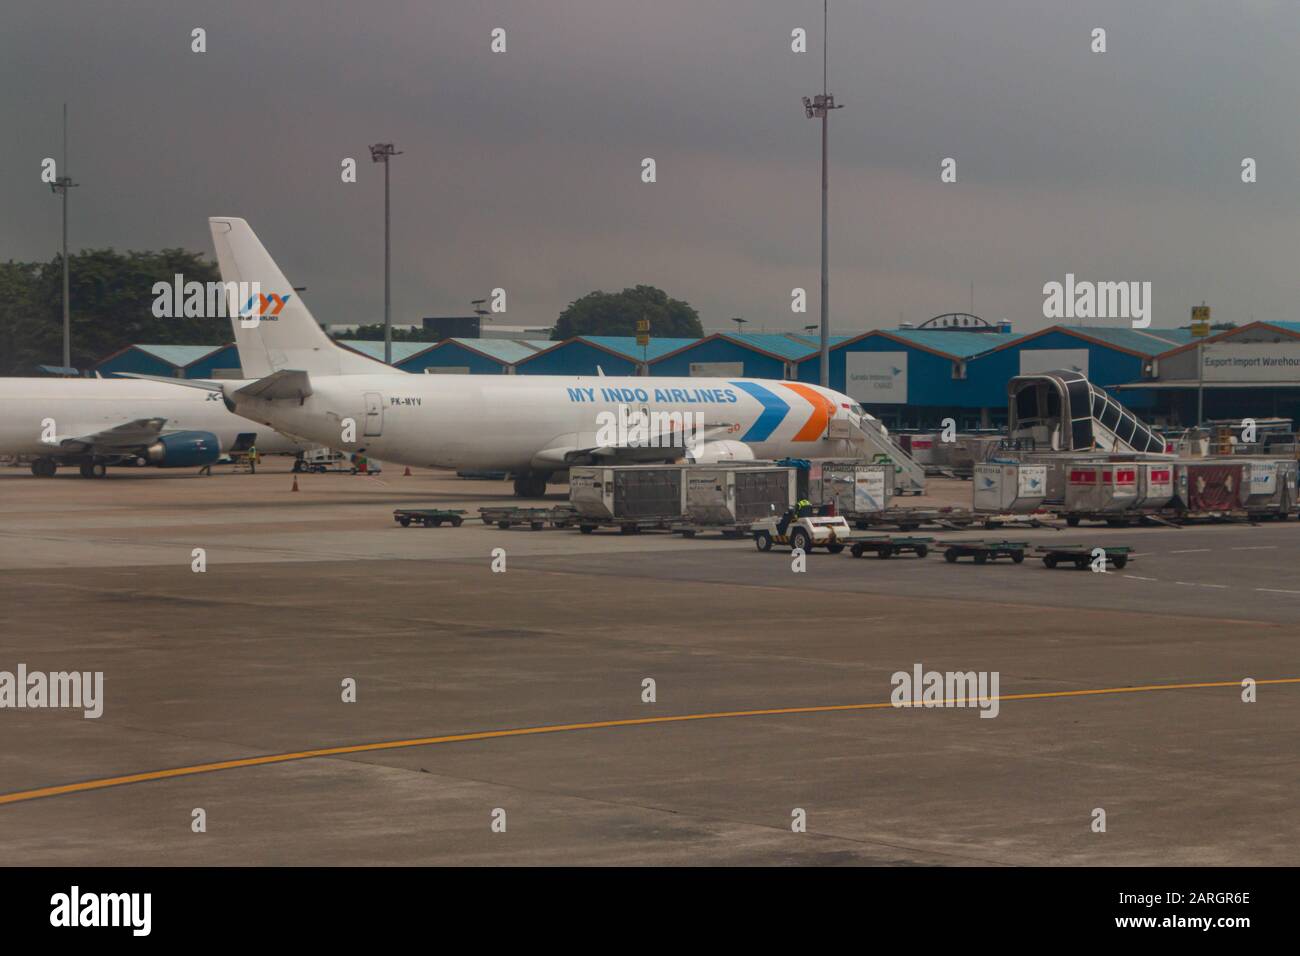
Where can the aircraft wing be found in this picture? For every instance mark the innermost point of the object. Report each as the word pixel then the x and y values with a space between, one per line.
pixel 118 439
pixel 582 453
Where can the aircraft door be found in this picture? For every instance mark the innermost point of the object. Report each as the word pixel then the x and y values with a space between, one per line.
pixel 374 414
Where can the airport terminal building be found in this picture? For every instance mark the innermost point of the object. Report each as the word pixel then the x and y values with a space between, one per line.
pixel 909 378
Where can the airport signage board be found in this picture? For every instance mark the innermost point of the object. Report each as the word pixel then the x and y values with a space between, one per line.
pixel 876 378
pixel 1251 362
pixel 1033 361
pixel 717 370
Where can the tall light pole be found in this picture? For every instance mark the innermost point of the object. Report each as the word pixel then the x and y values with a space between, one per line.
pixel 740 323
pixel 819 107
pixel 60 186
pixel 380 153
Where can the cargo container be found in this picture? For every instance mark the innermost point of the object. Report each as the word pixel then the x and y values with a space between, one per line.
pixel 854 487
pixel 1155 485
pixel 728 495
pixel 1272 485
pixel 628 492
pixel 1057 465
pixel 1210 487
pixel 1102 488
pixel 1009 488
pixel 920 447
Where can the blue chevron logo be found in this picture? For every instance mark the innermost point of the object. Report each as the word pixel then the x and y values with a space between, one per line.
pixel 774 412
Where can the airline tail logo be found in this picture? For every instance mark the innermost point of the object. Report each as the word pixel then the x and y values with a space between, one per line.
pixel 267 306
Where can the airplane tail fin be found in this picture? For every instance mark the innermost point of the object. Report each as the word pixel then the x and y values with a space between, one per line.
pixel 285 335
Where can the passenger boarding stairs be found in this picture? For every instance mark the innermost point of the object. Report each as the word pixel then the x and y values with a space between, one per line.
pixel 1115 428
pixel 909 477
pixel 1063 411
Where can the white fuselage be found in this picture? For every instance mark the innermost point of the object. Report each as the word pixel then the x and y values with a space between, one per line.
pixel 512 421
pixel 66 408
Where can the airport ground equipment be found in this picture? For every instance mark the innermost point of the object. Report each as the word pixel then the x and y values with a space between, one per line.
pixel 1008 487
pixel 735 494
pixel 983 551
pixel 561 516
pixel 1062 411
pixel 1081 555
pixel 857 489
pixel 806 533
pixel 428 517
pixel 1272 487
pixel 910 519
pixel 631 495
pixel 1210 488
pixel 887 546
pixel 880 448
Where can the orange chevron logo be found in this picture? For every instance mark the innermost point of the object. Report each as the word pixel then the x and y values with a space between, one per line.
pixel 823 409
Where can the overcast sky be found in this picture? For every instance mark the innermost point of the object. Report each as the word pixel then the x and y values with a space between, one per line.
pixel 522 170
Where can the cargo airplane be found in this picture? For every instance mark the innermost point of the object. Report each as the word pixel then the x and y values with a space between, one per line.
pixel 93 423
pixel 531 426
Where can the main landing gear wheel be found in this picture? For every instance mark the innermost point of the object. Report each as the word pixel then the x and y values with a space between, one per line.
pixel 44 467
pixel 530 486
pixel 94 470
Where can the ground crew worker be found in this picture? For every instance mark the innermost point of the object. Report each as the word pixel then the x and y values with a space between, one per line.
pixel 804 508
pixel 252 459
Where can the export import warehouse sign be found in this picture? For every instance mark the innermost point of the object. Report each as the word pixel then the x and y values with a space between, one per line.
pixel 1251 362
pixel 877 378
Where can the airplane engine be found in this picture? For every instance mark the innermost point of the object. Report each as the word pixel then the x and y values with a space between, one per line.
pixel 725 450
pixel 184 450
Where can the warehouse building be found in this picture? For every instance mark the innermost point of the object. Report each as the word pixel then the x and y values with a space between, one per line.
pixel 173 361
pixel 751 355
pixel 473 356
pixel 611 354
pixel 911 378
pixel 1107 356
pixel 1247 372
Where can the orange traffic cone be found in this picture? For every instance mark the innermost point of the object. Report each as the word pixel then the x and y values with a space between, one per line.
pixel 295 483
pixel 407 473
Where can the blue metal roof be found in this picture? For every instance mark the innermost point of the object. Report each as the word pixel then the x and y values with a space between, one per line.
pixel 955 344
pixel 506 351
pixel 1145 341
pixel 375 349
pixel 788 346
pixel 626 346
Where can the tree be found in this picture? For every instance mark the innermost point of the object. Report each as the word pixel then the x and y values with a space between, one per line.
pixel 111 307
pixel 616 313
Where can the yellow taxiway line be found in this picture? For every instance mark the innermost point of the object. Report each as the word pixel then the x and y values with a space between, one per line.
pixel 152 775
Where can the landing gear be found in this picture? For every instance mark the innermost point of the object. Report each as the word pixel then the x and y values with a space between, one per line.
pixel 95 469
pixel 44 467
pixel 530 485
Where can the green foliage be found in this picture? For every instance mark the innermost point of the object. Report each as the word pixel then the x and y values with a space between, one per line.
pixel 112 298
pixel 616 313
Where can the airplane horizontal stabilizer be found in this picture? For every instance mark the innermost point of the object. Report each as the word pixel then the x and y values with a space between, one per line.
pixel 284 384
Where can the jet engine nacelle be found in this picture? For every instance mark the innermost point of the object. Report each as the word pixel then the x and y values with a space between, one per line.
pixel 725 450
pixel 184 450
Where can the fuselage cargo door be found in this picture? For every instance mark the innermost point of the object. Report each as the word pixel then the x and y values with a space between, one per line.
pixel 374 414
